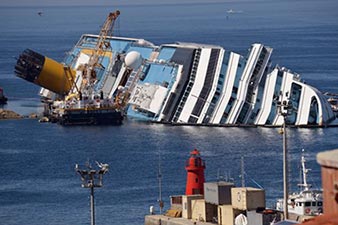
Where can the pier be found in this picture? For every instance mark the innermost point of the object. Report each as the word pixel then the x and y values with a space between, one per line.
pixel 166 220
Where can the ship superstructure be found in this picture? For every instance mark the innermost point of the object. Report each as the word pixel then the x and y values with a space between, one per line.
pixel 308 201
pixel 189 83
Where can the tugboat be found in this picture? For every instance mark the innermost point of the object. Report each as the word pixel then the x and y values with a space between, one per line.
pixel 308 202
pixel 3 99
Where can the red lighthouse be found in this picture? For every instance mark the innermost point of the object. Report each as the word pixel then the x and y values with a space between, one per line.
pixel 195 174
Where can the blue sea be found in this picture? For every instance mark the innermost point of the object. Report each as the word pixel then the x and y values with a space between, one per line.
pixel 39 184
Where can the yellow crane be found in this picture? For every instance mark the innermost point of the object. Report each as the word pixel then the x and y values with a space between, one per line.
pixel 101 46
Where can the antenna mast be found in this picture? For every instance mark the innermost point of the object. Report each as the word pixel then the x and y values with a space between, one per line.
pixel 304 172
pixel 160 183
pixel 242 171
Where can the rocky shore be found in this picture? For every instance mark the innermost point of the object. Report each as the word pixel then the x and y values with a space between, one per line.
pixel 8 114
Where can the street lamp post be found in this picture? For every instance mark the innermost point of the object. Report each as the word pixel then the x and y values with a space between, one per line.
pixel 91 179
pixel 284 109
pixel 161 203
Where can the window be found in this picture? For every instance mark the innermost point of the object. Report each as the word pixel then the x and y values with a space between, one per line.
pixel 314 112
pixel 313 203
pixel 307 204
pixel 234 90
pixel 231 100
pixel 320 204
pixel 296 91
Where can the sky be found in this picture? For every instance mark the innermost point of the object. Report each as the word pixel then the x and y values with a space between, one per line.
pixel 99 2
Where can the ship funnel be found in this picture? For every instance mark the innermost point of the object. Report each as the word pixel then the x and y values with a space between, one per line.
pixel 45 72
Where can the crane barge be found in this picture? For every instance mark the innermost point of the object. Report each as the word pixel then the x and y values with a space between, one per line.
pixel 81 102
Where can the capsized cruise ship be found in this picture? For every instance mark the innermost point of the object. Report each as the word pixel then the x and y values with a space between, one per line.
pixel 189 83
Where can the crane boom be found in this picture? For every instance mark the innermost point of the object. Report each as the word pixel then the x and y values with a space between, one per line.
pixel 101 44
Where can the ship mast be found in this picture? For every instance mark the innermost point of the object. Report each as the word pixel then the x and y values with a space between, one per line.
pixel 304 172
pixel 242 171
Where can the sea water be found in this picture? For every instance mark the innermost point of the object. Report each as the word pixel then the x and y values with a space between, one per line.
pixel 38 182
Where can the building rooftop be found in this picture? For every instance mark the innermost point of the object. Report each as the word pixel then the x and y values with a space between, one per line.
pixel 326 219
pixel 328 158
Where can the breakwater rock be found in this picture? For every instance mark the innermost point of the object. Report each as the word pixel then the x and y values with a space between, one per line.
pixel 8 114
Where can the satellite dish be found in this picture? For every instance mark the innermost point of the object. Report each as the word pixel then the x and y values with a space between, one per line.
pixel 241 220
pixel 133 60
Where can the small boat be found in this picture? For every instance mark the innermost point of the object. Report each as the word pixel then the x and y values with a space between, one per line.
pixel 307 202
pixel 3 99
pixel 231 11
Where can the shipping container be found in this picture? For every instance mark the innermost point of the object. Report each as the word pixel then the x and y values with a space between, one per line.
pixel 176 202
pixel 246 198
pixel 264 217
pixel 218 193
pixel 186 204
pixel 198 210
pixel 227 214
pixel 210 212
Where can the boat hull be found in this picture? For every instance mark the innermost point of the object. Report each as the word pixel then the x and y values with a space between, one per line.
pixel 3 100
pixel 91 117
